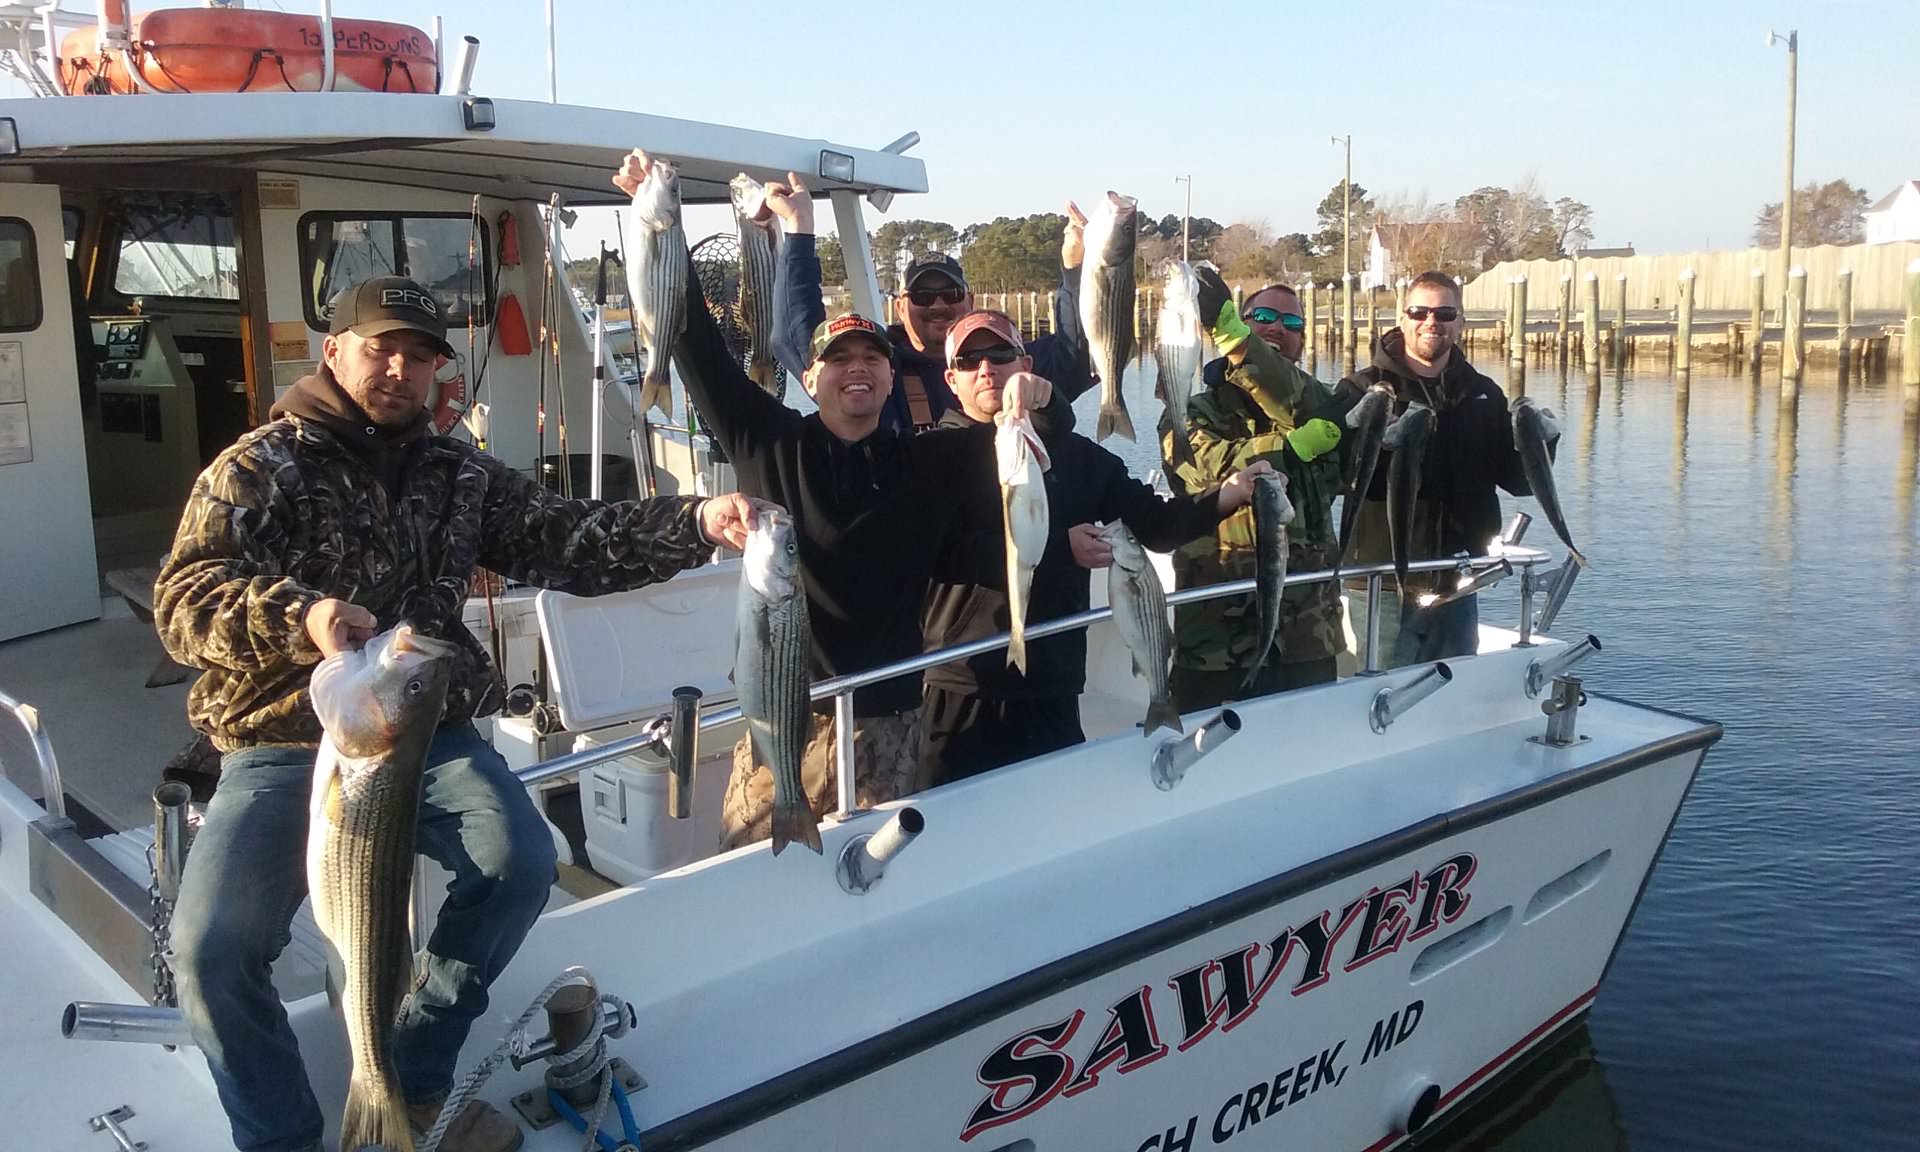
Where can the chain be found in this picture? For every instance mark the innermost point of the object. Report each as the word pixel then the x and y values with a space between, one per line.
pixel 160 925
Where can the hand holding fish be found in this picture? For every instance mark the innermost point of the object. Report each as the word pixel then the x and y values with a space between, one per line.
pixel 792 204
pixel 1088 542
pixel 1237 492
pixel 633 172
pixel 337 626
pixel 1022 395
pixel 1073 242
pixel 726 520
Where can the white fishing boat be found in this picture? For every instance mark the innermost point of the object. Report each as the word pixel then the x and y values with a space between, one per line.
pixel 1324 919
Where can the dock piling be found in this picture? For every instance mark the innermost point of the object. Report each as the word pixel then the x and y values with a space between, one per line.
pixel 1560 334
pixel 1793 342
pixel 1910 345
pixel 1683 336
pixel 1620 325
pixel 1590 324
pixel 1845 320
pixel 1757 321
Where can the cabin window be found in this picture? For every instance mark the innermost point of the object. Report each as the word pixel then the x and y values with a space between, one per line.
pixel 177 244
pixel 19 276
pixel 443 251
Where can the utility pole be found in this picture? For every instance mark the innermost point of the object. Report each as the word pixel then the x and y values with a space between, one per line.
pixel 1346 241
pixel 1792 41
pixel 1186 220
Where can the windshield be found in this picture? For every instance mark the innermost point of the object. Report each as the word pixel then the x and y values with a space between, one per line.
pixel 177 244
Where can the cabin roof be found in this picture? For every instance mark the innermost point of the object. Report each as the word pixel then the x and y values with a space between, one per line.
pixel 1886 202
pixel 535 149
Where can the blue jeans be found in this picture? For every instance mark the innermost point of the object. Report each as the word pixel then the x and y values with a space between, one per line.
pixel 246 875
pixel 1412 635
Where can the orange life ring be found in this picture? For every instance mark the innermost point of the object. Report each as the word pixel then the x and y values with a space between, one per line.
pixel 451 400
pixel 237 50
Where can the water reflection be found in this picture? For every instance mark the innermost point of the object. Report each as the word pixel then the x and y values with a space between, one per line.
pixel 1682 406
pixel 1589 425
pixel 1559 1101
pixel 1904 482
pixel 1786 453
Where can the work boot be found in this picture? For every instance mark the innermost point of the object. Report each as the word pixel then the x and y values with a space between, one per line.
pixel 478 1128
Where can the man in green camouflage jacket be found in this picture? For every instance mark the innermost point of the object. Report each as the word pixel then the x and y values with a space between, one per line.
pixel 343 517
pixel 1257 406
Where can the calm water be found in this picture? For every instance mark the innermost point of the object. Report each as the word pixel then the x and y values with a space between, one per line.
pixel 1754 565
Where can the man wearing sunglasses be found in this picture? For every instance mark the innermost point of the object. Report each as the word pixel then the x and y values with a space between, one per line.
pixel 1257 407
pixel 1471 454
pixel 933 295
pixel 982 714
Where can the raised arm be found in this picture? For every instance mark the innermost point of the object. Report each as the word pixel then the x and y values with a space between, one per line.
pixel 798 307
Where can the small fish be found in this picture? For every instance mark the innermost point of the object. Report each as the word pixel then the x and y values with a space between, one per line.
pixel 657 278
pixel 378 707
pixel 1178 351
pixel 1140 613
pixel 1408 437
pixel 1106 306
pixel 759 235
pixel 1368 422
pixel 1023 498
pixel 1534 431
pixel 1272 512
pixel 772 662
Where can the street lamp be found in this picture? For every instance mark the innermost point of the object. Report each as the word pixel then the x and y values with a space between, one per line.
pixel 1186 221
pixel 1792 41
pixel 1346 243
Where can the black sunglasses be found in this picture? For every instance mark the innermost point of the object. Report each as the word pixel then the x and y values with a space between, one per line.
pixel 925 297
pixel 998 354
pixel 1445 313
pixel 1287 320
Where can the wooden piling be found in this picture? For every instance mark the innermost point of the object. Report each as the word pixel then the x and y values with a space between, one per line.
pixel 1307 292
pixel 1845 319
pixel 1590 324
pixel 1683 336
pixel 1517 344
pixel 1620 325
pixel 1348 335
pixel 1400 299
pixel 1757 321
pixel 1793 341
pixel 1910 344
pixel 1562 330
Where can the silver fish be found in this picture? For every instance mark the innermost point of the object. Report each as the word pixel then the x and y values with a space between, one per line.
pixel 1534 431
pixel 1106 306
pixel 1140 613
pixel 1023 498
pixel 1178 351
pixel 759 235
pixel 772 662
pixel 1272 512
pixel 657 278
pixel 379 707
pixel 1408 437
pixel 1368 422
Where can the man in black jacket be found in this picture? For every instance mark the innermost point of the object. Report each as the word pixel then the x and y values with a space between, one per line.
pixel 1470 454
pixel 980 713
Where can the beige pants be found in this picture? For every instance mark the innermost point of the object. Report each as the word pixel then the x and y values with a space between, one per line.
pixel 886 766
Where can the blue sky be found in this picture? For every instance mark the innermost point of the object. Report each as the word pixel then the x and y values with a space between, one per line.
pixel 1667 118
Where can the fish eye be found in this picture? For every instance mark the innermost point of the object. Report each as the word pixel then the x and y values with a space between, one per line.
pixel 415 687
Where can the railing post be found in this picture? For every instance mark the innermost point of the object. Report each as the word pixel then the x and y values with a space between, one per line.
pixel 843 753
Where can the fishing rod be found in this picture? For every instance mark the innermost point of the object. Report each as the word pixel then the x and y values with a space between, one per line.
pixel 596 467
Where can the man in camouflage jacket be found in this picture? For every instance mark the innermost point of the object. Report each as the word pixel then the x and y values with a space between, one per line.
pixel 343 517
pixel 1257 406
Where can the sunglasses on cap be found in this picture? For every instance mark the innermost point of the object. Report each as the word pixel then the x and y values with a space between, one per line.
pixel 1445 313
pixel 925 297
pixel 998 354
pixel 1287 320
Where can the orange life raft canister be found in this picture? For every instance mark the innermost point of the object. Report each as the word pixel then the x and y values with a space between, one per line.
pixel 236 50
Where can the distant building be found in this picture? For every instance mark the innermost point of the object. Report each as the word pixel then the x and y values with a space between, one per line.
pixel 1398 252
pixel 1896 217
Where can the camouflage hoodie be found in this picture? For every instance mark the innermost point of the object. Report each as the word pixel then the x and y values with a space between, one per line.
pixel 296 511
pixel 1244 416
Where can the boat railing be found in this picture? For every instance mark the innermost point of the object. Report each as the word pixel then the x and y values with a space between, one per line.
pixel 1477 572
pixel 53 796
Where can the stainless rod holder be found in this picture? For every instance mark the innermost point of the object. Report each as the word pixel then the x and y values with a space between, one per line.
pixel 1471 584
pixel 1173 757
pixel 463 65
pixel 1389 704
pixel 172 836
pixel 1372 666
pixel 683 751
pixel 1563 711
pixel 125 1023
pixel 865 858
pixel 1557 584
pixel 843 754
pixel 112 1123
pixel 53 796
pixel 1540 673
pixel 1516 529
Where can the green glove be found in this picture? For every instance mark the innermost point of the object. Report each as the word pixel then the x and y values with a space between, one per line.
pixel 1229 331
pixel 1314 438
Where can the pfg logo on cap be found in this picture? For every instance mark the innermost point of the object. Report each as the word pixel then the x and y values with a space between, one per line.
pixel 409 298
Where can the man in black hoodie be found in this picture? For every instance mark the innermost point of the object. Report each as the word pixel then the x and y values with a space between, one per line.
pixel 1471 454
pixel 981 713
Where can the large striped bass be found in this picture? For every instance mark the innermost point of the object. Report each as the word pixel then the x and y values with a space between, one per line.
pixel 1106 306
pixel 758 233
pixel 1022 460
pixel 1368 422
pixel 1534 432
pixel 772 668
pixel 1179 349
pixel 1272 512
pixel 1408 437
pixel 1140 613
pixel 657 278
pixel 379 707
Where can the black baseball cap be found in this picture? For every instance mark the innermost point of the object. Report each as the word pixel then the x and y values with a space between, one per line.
pixel 389 304
pixel 939 262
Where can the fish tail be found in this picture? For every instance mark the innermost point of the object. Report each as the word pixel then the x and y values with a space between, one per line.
pixel 1017 648
pixel 655 395
pixel 795 824
pixel 1113 421
pixel 1254 672
pixel 375 1117
pixel 761 372
pixel 1162 714
pixel 1578 557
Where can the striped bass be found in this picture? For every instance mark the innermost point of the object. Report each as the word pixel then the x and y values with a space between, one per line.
pixel 1022 461
pixel 1178 351
pixel 1140 613
pixel 1534 432
pixel 657 279
pixel 379 707
pixel 1368 422
pixel 759 235
pixel 1408 436
pixel 772 668
pixel 1106 306
pixel 1272 512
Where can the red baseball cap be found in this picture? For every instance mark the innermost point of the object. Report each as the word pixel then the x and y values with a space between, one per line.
pixel 983 320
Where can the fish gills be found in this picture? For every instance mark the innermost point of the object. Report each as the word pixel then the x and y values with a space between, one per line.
pixel 657 279
pixel 1178 351
pixel 1368 422
pixel 1140 613
pixel 1534 431
pixel 1023 498
pixel 759 244
pixel 1408 437
pixel 1106 306
pixel 378 707
pixel 1272 512
pixel 772 662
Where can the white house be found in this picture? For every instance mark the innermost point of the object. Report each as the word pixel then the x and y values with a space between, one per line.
pixel 1896 217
